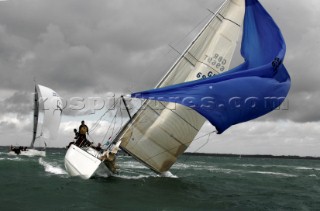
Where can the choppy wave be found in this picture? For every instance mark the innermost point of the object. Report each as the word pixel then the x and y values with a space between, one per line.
pixel 279 166
pixel 307 168
pixel 168 174
pixel 272 173
pixel 15 159
pixel 132 165
pixel 138 177
pixel 229 171
pixel 223 170
pixel 52 168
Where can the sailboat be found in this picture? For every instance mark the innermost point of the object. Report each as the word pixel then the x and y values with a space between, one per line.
pixel 200 86
pixel 46 120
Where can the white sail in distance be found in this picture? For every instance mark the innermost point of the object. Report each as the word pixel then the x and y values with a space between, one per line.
pixel 157 135
pixel 47 113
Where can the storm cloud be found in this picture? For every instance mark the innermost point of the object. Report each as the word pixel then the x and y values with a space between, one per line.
pixel 91 48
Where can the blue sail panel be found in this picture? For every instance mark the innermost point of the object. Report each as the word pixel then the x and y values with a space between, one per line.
pixel 251 90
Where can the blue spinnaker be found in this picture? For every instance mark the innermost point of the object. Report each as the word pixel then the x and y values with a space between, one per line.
pixel 251 90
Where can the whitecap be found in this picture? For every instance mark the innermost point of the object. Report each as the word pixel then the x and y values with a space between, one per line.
pixel 273 173
pixel 15 159
pixel 227 171
pixel 138 177
pixel 307 168
pixel 168 174
pixel 132 165
pixel 50 168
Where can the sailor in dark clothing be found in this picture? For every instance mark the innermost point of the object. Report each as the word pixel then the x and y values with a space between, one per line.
pixel 83 130
pixel 76 134
pixel 15 150
pixel 76 138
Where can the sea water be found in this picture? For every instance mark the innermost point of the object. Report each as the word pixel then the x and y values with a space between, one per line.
pixel 195 183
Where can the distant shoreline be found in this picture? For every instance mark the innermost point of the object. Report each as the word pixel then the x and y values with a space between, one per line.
pixel 253 156
pixel 230 155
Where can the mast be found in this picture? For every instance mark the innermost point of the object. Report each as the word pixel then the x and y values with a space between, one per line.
pixel 125 104
pixel 35 115
pixel 190 45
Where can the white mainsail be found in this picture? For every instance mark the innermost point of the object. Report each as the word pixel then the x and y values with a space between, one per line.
pixel 157 135
pixel 47 113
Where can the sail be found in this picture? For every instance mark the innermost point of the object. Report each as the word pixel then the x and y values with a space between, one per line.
pixel 159 132
pixel 251 90
pixel 47 113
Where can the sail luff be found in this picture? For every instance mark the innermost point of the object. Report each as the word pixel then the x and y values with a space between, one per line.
pixel 190 45
pixel 35 116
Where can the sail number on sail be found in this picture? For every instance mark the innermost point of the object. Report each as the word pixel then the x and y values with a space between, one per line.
pixel 215 62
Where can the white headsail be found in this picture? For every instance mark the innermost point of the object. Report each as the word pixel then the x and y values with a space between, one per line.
pixel 47 113
pixel 157 135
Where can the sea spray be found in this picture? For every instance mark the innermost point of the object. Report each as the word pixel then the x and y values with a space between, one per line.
pixel 52 168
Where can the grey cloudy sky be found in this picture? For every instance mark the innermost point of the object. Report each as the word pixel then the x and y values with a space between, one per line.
pixel 90 48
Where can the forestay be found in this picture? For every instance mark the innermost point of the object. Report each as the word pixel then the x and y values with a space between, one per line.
pixel 158 133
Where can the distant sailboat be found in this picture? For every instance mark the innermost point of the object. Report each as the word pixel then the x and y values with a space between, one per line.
pixel 46 119
pixel 200 87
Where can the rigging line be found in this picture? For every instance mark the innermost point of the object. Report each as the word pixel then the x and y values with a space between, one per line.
pixel 114 124
pixel 92 139
pixel 109 127
pixel 229 20
pixel 193 29
pixel 205 135
pixel 164 78
pixel 204 143
pixel 97 123
pixel 121 115
pixel 121 124
pixel 100 119
pixel 208 139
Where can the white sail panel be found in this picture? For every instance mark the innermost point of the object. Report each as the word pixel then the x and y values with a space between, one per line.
pixel 158 136
pixel 50 109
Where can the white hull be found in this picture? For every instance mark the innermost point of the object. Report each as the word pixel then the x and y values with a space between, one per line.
pixel 85 164
pixel 30 153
